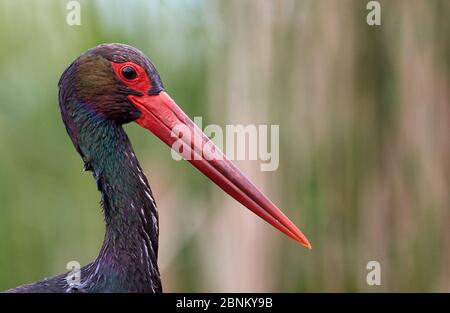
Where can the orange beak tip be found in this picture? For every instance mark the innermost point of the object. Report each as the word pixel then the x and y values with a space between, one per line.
pixel 305 242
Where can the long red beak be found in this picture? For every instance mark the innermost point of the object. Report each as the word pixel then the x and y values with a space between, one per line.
pixel 162 116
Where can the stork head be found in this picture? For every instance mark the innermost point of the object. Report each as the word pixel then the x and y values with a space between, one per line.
pixel 117 84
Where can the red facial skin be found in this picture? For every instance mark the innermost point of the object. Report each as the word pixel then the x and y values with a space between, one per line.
pixel 160 115
pixel 141 83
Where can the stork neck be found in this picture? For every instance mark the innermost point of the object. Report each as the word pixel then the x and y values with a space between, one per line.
pixel 130 247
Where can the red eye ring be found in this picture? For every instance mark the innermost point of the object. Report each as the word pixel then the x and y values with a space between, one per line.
pixel 140 83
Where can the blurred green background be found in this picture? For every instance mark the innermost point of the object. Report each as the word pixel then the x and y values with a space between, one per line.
pixel 364 115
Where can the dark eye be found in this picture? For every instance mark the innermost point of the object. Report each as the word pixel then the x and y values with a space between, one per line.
pixel 129 73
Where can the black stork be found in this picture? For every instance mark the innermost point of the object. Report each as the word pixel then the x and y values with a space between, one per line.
pixel 106 87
